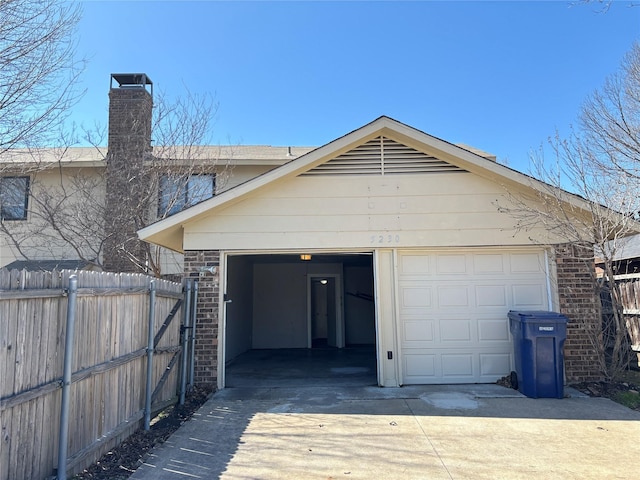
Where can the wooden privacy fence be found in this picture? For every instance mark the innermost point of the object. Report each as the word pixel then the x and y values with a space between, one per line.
pixel 629 285
pixel 104 386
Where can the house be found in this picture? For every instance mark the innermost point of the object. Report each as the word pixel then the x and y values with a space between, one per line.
pixel 399 238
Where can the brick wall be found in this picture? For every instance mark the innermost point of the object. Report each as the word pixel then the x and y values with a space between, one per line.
pixel 130 112
pixel 578 302
pixel 130 118
pixel 207 316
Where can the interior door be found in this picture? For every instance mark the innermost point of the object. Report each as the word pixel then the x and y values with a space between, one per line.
pixel 324 310
pixel 319 326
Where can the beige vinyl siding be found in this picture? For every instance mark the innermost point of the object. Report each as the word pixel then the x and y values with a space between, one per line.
pixel 434 209
pixel 6 253
pixel 241 173
pixel 47 244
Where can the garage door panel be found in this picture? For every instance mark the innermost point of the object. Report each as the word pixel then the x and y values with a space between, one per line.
pixel 430 332
pixel 453 312
pixel 488 263
pixel 451 264
pixel 494 364
pixel 456 331
pixel 529 295
pixel 442 366
pixel 531 263
pixel 453 296
pixel 414 265
pixel 420 366
pixel 491 295
pixel 416 297
pixel 418 331
pixel 457 365
pixel 493 330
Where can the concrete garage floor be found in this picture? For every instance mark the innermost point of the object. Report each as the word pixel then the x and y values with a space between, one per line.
pixel 311 430
pixel 351 366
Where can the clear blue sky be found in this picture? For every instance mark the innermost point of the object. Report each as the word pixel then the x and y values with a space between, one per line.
pixel 500 76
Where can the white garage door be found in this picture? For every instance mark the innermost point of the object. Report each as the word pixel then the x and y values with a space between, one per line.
pixel 453 311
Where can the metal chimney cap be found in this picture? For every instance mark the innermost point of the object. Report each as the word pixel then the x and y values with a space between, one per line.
pixel 131 79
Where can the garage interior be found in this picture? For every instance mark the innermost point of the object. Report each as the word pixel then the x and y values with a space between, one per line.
pixel 300 319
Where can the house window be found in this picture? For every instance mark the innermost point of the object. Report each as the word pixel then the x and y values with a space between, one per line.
pixel 14 198
pixel 179 192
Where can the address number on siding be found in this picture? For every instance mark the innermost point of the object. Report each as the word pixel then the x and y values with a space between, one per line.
pixel 386 238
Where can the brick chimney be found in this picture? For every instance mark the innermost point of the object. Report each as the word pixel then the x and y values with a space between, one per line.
pixel 130 111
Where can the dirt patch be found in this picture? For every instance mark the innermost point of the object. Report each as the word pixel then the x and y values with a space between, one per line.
pixel 120 462
pixel 622 391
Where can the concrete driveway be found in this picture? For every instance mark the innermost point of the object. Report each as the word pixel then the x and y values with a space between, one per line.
pixel 426 432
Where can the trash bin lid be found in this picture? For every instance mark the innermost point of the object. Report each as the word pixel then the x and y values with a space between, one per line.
pixel 537 316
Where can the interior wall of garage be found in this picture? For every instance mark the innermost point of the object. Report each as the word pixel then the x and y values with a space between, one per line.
pixel 280 303
pixel 359 312
pixel 239 310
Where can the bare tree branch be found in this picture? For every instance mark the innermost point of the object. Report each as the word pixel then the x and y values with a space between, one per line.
pixel 38 69
pixel 600 161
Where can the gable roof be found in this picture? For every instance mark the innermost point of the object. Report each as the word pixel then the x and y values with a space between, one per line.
pixel 169 232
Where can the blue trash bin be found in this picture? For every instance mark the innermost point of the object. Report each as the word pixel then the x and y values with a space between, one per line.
pixel 538 339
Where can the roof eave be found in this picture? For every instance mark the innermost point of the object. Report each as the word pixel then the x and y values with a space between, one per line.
pixel 170 238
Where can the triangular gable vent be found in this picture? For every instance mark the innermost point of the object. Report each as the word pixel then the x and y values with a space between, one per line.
pixel 382 156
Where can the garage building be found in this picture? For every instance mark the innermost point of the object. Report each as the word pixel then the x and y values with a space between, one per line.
pixel 386 238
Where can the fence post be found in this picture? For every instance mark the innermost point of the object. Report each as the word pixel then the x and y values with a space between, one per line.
pixel 63 438
pixel 185 342
pixel 192 351
pixel 150 339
